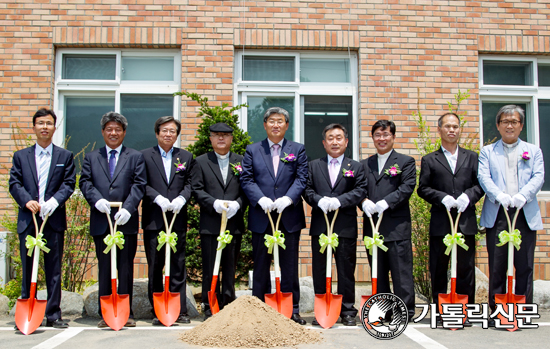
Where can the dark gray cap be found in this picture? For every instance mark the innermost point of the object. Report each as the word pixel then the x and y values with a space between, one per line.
pixel 221 127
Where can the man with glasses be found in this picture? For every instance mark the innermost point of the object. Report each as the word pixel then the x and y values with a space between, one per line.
pixel 448 181
pixel 391 178
pixel 511 172
pixel 168 189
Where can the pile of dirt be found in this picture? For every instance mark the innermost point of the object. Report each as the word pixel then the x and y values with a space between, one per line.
pixel 249 323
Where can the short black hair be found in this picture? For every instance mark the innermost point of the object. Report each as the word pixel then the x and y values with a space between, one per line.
pixel 510 109
pixel 116 117
pixel 332 127
pixel 276 110
pixel 440 120
pixel 164 119
pixel 44 112
pixel 383 124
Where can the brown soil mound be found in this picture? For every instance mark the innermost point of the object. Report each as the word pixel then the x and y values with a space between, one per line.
pixel 249 323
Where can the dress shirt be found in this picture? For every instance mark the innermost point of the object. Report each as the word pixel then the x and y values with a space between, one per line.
pixel 166 161
pixel 223 162
pixel 382 160
pixel 117 155
pixel 511 162
pixel 451 158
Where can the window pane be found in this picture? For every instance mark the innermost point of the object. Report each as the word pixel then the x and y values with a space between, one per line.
pixel 142 111
pixel 544 125
pixel 256 109
pixel 544 75
pixel 83 115
pixel 320 111
pixel 324 70
pixel 490 132
pixel 507 73
pixel 148 68
pixel 89 67
pixel 256 68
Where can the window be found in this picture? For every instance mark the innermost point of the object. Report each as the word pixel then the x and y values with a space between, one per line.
pixel 139 84
pixel 524 81
pixel 316 88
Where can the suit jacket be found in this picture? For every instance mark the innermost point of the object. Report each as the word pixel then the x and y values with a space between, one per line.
pixel 258 180
pixel 126 186
pixel 396 222
pixel 23 185
pixel 208 186
pixel 437 181
pixel 350 191
pixel 157 184
pixel 492 177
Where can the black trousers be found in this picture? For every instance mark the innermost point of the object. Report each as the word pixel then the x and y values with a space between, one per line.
pixel 156 261
pixel 524 259
pixel 288 261
pixel 346 259
pixel 399 261
pixel 52 267
pixel 125 267
pixel 465 268
pixel 228 266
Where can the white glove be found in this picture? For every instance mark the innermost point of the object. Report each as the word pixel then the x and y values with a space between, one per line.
pixel 334 204
pixel 324 204
pixel 281 203
pixel 449 202
pixel 369 207
pixel 233 208
pixel 381 206
pixel 266 204
pixel 47 208
pixel 163 203
pixel 518 201
pixel 504 199
pixel 177 204
pixel 462 202
pixel 103 206
pixel 122 217
pixel 219 206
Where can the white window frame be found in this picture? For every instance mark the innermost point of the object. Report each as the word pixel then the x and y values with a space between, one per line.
pixel 243 89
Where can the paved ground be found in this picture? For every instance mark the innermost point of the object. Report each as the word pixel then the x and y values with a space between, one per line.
pixel 83 334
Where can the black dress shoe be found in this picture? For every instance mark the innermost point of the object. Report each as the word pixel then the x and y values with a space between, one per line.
pixel 315 323
pixel 130 323
pixel 298 319
pixel 348 320
pixel 58 323
pixel 183 319
pixel 102 324
pixel 156 322
pixel 467 323
pixel 491 322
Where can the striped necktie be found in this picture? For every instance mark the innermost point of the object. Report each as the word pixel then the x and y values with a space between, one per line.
pixel 43 175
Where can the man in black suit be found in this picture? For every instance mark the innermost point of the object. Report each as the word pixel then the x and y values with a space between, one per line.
pixel 215 182
pixel 42 178
pixel 168 189
pixel 391 178
pixel 448 179
pixel 336 182
pixel 114 173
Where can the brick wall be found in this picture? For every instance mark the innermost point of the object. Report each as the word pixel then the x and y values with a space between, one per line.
pixel 413 55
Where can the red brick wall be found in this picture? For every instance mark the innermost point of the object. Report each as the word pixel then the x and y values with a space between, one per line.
pixel 413 55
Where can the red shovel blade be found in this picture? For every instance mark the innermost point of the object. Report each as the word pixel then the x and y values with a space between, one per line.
pixel 509 298
pixel 212 297
pixel 282 302
pixel 366 298
pixel 115 308
pixel 453 298
pixel 327 307
pixel 167 306
pixel 30 312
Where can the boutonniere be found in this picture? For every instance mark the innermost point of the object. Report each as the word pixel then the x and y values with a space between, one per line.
pixel 289 158
pixel 237 168
pixel 525 156
pixel 348 173
pixel 179 166
pixel 393 171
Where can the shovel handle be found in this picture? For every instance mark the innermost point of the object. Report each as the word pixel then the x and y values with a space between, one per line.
pixel 374 272
pixel 275 246
pixel 36 252
pixel 113 249
pixel 167 247
pixel 511 227
pixel 454 230
pixel 330 228
pixel 218 250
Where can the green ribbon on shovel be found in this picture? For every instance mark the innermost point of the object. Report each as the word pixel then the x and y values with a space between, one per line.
pixel 31 243
pixel 324 241
pixel 165 238
pixel 377 240
pixel 454 239
pixel 277 238
pixel 111 240
pixel 224 239
pixel 513 237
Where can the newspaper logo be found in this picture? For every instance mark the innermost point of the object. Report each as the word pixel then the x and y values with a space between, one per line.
pixel 384 316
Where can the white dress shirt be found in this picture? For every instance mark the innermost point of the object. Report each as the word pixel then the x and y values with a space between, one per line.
pixel 451 158
pixel 382 160
pixel 223 162
pixel 166 161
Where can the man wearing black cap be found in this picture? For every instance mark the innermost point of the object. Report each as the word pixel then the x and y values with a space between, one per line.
pixel 215 182
pixel 168 189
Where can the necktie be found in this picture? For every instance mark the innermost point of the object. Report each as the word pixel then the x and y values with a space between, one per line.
pixel 333 171
pixel 275 158
pixel 112 163
pixel 43 175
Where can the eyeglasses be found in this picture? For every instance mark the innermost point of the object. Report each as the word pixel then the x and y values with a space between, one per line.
pixel 44 123
pixel 169 131
pixel 275 122
pixel 382 135
pixel 507 123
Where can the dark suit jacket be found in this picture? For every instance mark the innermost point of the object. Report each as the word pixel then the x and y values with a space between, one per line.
pixel 437 181
pixel 350 191
pixel 258 180
pixel 396 222
pixel 23 185
pixel 208 186
pixel 180 184
pixel 127 186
